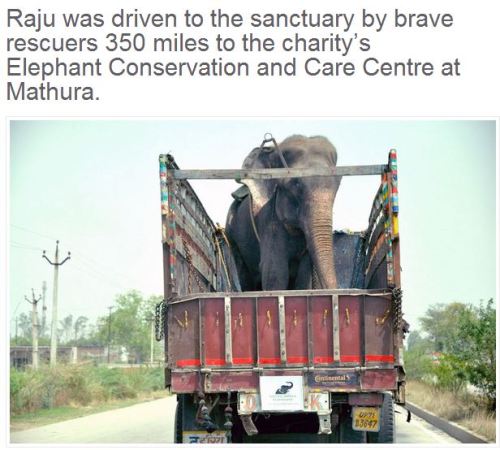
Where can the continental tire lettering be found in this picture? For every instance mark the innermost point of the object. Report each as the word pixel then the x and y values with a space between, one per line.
pixel 336 378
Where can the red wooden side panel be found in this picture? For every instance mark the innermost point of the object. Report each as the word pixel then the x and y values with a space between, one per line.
pixel 243 331
pixel 213 316
pixel 185 332
pixel 381 379
pixel 350 329
pixel 322 329
pixel 296 330
pixel 378 331
pixel 185 382
pixel 268 330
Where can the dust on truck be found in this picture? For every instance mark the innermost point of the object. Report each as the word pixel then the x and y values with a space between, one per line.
pixel 280 366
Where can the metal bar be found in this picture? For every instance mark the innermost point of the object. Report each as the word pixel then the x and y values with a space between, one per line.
pixel 282 325
pixel 258 294
pixel 362 330
pixel 239 174
pixel 228 330
pixel 310 349
pixel 336 327
pixel 256 330
pixel 201 326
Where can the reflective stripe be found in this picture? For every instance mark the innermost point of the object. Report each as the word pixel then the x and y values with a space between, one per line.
pixel 188 362
pixel 382 358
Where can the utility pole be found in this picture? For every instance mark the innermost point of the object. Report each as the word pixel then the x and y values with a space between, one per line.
pixel 53 337
pixel 109 331
pixel 44 308
pixel 34 327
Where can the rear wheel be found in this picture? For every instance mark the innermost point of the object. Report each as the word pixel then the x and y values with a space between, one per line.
pixel 178 421
pixel 387 429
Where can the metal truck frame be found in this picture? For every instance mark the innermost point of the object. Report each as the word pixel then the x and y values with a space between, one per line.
pixel 277 366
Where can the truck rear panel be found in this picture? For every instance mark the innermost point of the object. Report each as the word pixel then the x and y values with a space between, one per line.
pixel 339 340
pixel 355 328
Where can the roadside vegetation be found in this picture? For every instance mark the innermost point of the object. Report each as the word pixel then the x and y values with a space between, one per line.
pixel 126 326
pixel 66 391
pixel 451 365
pixel 51 394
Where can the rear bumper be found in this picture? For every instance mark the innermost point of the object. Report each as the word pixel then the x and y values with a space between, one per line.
pixel 362 379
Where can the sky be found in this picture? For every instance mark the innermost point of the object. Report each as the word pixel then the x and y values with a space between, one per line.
pixel 94 185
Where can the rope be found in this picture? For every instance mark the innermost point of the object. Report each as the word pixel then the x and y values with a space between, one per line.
pixel 220 230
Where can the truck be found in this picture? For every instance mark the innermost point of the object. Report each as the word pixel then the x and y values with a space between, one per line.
pixel 320 366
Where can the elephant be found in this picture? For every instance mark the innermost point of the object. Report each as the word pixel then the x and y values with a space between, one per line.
pixel 284 388
pixel 280 229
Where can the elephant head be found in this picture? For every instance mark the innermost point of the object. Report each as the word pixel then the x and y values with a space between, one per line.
pixel 301 205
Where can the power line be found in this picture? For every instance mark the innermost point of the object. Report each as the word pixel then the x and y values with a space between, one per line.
pixel 24 246
pixel 90 261
pixel 99 276
pixel 32 231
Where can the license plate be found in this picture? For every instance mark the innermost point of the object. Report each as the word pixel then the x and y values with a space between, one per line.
pixel 202 437
pixel 365 418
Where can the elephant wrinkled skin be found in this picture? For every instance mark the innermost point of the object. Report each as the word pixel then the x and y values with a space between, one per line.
pixel 287 242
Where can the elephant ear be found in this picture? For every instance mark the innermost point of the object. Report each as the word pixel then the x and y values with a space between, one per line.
pixel 261 191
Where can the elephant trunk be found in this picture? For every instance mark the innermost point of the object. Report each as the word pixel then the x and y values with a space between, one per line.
pixel 318 231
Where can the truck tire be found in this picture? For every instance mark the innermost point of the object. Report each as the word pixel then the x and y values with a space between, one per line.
pixel 387 429
pixel 178 420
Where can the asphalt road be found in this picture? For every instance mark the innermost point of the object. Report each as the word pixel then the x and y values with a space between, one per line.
pixel 153 423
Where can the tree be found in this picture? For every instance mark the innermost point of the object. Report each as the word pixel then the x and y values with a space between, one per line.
pixel 440 323
pixel 24 326
pixel 129 324
pixel 79 328
pixel 477 332
pixel 65 332
pixel 465 337
pixel 418 361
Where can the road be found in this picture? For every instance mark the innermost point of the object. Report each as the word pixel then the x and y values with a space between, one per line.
pixel 153 422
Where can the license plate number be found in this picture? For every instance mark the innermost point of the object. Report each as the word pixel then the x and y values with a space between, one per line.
pixel 202 437
pixel 365 418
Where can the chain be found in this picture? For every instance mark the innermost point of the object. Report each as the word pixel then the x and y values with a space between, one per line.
pixel 160 313
pixel 397 297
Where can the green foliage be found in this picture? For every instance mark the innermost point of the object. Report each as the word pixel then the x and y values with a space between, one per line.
pixel 73 384
pixel 477 330
pixel 464 337
pixel 418 361
pixel 440 323
pixel 129 325
pixel 450 373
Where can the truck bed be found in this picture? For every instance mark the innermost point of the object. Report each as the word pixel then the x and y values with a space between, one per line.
pixel 222 340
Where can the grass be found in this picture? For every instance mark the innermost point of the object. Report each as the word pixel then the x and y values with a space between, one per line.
pixel 465 409
pixel 64 392
pixel 43 417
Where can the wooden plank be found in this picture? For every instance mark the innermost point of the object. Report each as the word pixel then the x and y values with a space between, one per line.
pixel 228 330
pixel 282 326
pixel 336 328
pixel 240 174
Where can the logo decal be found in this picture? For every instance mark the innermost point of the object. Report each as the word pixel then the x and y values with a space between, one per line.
pixel 284 388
